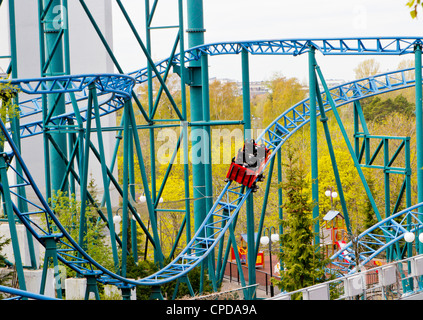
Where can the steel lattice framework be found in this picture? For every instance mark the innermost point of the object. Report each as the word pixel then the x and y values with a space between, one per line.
pixel 97 95
pixel 229 201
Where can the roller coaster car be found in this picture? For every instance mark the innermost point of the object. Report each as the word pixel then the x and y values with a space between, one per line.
pixel 246 168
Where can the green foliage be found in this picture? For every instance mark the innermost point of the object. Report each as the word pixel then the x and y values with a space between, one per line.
pixel 377 110
pixel 145 268
pixel 8 109
pixel 67 208
pixel 303 264
pixel 367 68
pixel 5 276
pixel 414 5
pixel 3 243
pixel 285 92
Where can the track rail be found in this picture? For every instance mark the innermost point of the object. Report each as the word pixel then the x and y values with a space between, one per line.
pixel 231 199
pixel 380 237
pixel 292 47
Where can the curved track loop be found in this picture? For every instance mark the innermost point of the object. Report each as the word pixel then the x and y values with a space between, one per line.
pixel 231 199
pixel 115 88
pixel 21 294
pixel 380 237
pixel 293 47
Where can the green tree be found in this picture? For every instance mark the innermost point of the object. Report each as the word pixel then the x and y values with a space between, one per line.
pixel 7 275
pixel 376 109
pixel 145 268
pixel 8 108
pixel 303 264
pixel 414 5
pixel 225 101
pixel 367 68
pixel 66 209
pixel 284 93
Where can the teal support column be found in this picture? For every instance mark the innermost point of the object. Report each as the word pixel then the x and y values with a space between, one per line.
pixel 419 125
pixel 91 287
pixel 207 132
pixel 53 65
pixel 184 124
pixel 348 143
pixel 51 253
pixel 183 279
pixel 207 153
pixel 313 143
pixel 280 200
pixel 103 173
pixel 134 241
pixel 125 195
pixel 251 254
pixel 387 180
pixel 84 174
pixel 156 293
pixel 11 220
pixel 148 18
pixel 331 150
pixel 129 116
pixel 195 38
pixel 126 293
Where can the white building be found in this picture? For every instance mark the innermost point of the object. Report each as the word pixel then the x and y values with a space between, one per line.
pixel 87 56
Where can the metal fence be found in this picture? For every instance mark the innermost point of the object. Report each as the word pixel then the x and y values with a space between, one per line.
pixel 263 278
pixel 394 281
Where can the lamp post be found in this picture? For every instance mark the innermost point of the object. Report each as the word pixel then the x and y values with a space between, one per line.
pixel 116 220
pixel 267 240
pixel 410 236
pixel 332 194
pixel 143 199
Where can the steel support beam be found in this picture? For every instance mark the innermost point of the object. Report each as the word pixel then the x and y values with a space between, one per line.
pixel 419 126
pixel 196 38
pixel 250 200
pixel 53 64
pixel 313 143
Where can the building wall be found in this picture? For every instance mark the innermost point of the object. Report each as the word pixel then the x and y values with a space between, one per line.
pixel 87 56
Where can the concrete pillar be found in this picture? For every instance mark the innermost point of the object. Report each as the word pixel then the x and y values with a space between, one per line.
pixel 112 292
pixel 33 282
pixel 7 251
pixel 75 289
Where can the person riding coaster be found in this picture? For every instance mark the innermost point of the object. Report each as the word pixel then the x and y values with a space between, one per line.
pixel 246 168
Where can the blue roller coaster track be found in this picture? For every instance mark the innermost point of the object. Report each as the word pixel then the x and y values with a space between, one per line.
pixel 117 89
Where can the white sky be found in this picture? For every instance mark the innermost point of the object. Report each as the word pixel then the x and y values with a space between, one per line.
pixel 234 20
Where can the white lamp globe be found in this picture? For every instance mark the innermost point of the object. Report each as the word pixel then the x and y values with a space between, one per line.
pixel 264 240
pixel 334 194
pixel 117 219
pixel 274 237
pixel 327 193
pixel 142 198
pixel 409 237
pixel 421 237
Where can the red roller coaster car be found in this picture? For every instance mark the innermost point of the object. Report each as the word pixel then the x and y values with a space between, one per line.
pixel 246 168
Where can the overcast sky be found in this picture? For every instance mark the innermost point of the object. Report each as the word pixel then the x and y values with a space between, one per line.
pixel 233 20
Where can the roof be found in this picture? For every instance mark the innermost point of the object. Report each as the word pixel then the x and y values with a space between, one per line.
pixel 331 215
pixel 244 237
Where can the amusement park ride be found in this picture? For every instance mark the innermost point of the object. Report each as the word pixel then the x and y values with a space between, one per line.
pixel 247 167
pixel 70 108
